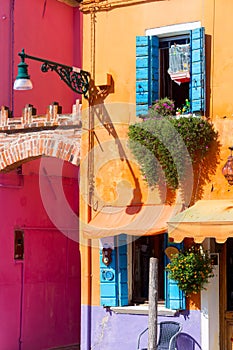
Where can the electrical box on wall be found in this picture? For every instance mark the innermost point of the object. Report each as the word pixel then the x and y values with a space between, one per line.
pixel 18 244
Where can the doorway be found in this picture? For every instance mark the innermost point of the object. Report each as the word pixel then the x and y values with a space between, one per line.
pixel 40 263
pixel 143 249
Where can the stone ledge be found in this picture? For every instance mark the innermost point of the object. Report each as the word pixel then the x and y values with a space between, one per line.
pixel 39 121
pixel 143 310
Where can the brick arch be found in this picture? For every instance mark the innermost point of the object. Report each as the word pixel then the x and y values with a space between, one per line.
pixel 62 143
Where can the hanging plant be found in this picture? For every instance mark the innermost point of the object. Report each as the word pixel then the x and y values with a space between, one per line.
pixel 167 144
pixel 191 269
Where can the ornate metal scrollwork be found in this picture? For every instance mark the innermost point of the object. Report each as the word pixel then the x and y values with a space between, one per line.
pixel 77 79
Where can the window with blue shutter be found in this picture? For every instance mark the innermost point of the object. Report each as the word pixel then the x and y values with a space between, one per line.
pixel 113 278
pixel 153 80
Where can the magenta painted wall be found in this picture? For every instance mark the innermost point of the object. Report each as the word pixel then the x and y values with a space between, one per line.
pixel 6 44
pixel 44 28
pixel 39 296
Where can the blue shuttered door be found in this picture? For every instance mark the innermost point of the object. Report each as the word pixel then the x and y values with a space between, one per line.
pixel 108 282
pixel 175 298
pixel 113 278
pixel 147 73
pixel 198 69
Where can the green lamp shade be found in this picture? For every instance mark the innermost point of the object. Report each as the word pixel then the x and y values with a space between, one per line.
pixel 22 81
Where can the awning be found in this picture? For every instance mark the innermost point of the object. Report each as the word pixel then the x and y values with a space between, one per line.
pixel 206 218
pixel 136 220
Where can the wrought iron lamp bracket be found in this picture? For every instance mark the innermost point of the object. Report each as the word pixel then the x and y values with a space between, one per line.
pixel 77 79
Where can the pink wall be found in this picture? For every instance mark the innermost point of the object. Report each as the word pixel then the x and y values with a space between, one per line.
pixel 39 296
pixel 46 29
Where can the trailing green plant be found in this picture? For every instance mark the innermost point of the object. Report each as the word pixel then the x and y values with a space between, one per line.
pixel 191 269
pixel 169 145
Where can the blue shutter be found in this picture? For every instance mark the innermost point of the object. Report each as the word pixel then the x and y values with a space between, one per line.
pixel 113 278
pixel 175 298
pixel 142 74
pixel 198 78
pixel 147 63
pixel 122 270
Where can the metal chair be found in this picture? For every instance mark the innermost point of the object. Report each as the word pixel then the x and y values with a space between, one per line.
pixel 185 342
pixel 168 331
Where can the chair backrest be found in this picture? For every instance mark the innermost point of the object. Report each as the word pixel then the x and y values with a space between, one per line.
pixel 168 331
pixel 185 342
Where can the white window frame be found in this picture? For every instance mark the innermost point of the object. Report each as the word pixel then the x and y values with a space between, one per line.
pixel 173 30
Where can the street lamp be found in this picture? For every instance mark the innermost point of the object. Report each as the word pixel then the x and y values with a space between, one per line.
pixel 77 79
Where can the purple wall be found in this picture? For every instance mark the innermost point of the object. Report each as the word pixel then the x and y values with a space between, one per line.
pixel 39 296
pixel 120 331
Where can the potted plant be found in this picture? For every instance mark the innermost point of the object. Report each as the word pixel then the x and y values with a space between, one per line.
pixel 191 269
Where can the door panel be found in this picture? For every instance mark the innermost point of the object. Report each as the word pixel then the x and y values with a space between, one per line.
pixel 51 292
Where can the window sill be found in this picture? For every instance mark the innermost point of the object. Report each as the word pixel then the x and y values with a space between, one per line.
pixel 143 310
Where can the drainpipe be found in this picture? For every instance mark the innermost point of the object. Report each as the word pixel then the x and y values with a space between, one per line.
pixel 89 243
pixel 21 306
pixel 89 293
pixel 85 319
pixel 11 73
pixel 86 292
pixel 87 247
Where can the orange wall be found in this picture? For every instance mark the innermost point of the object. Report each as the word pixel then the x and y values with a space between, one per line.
pixel 109 47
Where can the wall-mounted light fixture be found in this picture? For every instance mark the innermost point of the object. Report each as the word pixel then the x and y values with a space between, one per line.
pixel 77 79
pixel 227 170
